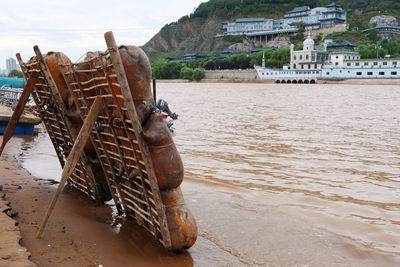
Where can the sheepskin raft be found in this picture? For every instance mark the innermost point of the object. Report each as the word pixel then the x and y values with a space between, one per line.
pixel 130 156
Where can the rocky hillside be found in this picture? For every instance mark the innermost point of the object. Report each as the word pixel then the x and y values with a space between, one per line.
pixel 195 33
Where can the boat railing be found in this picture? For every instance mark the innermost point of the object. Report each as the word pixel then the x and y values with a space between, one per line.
pixel 9 96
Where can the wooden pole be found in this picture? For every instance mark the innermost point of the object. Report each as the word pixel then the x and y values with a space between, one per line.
pixel 73 157
pixel 155 91
pixel 12 124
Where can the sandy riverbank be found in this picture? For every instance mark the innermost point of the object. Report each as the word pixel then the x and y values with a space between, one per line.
pixel 80 233
pixel 11 252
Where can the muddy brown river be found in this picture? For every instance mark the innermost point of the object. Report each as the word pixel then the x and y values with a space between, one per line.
pixel 284 175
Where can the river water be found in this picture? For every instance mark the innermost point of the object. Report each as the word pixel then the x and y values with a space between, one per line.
pixel 323 157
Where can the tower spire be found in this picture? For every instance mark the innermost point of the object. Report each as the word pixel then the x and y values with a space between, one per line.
pixel 263 60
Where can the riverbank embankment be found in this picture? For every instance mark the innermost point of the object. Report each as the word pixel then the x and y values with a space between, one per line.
pixel 250 76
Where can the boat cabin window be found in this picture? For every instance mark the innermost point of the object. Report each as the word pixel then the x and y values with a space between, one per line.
pixel 369 73
pixel 394 72
pixel 348 64
pixel 385 63
pixel 365 63
pixel 375 63
pixel 382 73
pixel 357 63
pixel 359 73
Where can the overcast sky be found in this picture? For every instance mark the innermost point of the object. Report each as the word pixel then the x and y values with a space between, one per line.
pixel 77 26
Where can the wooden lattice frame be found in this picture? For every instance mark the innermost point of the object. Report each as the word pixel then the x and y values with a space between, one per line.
pixel 53 114
pixel 123 153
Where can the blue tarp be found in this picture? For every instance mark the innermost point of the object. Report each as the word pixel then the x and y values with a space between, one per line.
pixel 12 82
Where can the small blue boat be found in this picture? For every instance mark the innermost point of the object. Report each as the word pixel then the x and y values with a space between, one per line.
pixel 8 100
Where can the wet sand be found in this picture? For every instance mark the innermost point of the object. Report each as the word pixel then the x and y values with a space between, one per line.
pixel 80 233
pixel 11 252
pixel 236 228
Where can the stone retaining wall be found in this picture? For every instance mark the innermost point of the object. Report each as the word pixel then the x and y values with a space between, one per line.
pixel 249 74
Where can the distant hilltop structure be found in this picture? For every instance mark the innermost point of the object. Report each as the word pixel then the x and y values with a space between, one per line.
pixel 248 25
pixel 315 18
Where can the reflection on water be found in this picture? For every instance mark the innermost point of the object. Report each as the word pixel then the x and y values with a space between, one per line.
pixel 337 143
pixel 335 149
pixel 41 161
pixel 132 245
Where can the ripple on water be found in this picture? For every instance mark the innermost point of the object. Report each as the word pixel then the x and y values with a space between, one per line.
pixel 337 143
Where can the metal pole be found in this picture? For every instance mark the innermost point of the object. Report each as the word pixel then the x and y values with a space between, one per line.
pixel 155 91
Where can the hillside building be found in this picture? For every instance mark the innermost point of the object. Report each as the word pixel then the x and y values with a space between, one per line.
pixel 319 17
pixel 248 25
pixel 346 45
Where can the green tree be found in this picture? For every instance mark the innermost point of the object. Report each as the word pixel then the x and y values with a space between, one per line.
pixel 391 47
pixel 15 73
pixel 301 26
pixel 367 51
pixel 373 36
pixel 187 73
pixel 198 74
pixel 273 58
pixel 163 70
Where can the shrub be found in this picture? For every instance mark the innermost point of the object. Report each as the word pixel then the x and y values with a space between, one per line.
pixel 198 74
pixel 210 65
pixel 187 73
pixel 170 70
